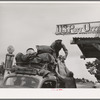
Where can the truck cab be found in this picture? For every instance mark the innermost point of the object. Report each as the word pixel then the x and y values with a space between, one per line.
pixel 27 79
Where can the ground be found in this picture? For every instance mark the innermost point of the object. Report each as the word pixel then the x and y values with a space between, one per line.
pixel 85 85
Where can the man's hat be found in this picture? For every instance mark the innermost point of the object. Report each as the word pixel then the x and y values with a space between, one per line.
pixel 30 49
pixel 58 40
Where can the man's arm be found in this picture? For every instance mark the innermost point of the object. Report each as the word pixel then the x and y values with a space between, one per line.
pixel 65 50
pixel 28 57
pixel 66 69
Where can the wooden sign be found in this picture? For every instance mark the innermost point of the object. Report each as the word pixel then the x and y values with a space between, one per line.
pixel 78 28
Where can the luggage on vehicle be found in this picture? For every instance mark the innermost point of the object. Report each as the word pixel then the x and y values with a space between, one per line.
pixel 45 58
pixel 22 59
pixel 24 70
pixel 44 49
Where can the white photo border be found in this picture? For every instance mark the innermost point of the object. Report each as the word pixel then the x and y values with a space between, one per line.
pixel 6 93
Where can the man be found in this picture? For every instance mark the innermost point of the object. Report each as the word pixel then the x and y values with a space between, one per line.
pixel 63 70
pixel 22 59
pixel 57 45
pixel 68 80
pixel 32 57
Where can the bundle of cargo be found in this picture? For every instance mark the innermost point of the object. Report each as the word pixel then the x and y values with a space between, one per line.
pixel 38 60
pixel 44 49
pixel 24 70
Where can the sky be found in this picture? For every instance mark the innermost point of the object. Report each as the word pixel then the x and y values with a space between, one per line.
pixel 25 25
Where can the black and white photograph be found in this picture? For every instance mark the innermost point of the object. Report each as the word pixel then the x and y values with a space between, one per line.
pixel 50 45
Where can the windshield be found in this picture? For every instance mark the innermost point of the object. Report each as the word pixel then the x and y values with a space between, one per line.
pixel 22 81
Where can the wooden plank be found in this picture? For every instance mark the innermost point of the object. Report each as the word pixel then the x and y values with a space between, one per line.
pixel 85 41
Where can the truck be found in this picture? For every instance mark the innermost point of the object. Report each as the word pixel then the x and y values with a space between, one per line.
pixel 26 76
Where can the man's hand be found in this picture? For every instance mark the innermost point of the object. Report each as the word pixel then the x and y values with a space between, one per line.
pixel 64 58
pixel 57 70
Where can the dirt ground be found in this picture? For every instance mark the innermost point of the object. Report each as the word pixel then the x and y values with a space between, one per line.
pixel 85 85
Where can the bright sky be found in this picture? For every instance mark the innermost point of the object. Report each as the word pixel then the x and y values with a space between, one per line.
pixel 25 25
